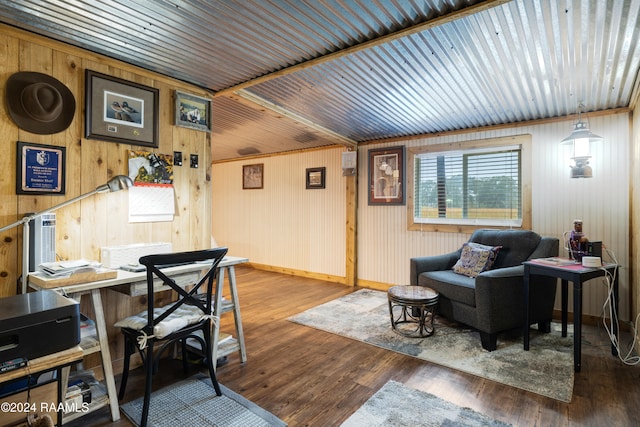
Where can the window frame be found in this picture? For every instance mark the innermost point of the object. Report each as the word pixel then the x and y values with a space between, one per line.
pixel 524 141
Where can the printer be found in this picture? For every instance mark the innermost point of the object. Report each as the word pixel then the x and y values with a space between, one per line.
pixel 35 324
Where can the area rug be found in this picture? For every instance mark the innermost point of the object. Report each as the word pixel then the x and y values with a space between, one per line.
pixel 547 369
pixel 193 402
pixel 399 406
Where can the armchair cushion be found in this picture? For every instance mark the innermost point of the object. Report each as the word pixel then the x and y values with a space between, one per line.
pixel 476 258
pixel 463 289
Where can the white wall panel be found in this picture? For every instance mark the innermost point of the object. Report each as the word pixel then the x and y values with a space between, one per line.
pixel 635 221
pixel 284 224
pixel 602 202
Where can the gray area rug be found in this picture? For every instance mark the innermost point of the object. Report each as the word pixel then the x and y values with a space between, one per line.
pixel 193 402
pixel 547 369
pixel 399 406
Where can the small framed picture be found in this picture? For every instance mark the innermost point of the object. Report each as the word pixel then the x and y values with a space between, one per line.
pixel 40 169
pixel 315 178
pixel 121 111
pixel 253 176
pixel 386 176
pixel 192 111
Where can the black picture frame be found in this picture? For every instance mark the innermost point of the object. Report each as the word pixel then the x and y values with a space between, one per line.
pixel 40 169
pixel 387 176
pixel 253 176
pixel 315 178
pixel 121 111
pixel 192 111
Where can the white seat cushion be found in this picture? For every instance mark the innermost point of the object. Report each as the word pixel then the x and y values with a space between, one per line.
pixel 183 316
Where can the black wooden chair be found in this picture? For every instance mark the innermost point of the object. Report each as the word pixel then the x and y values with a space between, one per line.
pixel 191 316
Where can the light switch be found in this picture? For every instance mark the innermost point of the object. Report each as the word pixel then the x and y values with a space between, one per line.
pixel 177 158
pixel 194 160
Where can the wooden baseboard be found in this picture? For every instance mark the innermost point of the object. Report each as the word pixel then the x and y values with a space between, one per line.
pixel 378 286
pixel 300 273
pixel 588 320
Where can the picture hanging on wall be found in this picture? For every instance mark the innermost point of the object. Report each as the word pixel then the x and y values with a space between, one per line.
pixel 253 176
pixel 386 176
pixel 40 169
pixel 192 111
pixel 121 111
pixel 315 178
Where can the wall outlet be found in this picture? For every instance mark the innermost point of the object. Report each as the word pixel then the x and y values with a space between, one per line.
pixel 194 161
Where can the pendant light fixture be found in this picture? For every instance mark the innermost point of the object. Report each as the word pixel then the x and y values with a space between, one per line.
pixel 581 139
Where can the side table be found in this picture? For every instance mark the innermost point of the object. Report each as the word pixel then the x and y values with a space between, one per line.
pixel 417 306
pixel 577 275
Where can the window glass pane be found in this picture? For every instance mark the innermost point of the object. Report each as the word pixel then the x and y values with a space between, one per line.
pixel 480 186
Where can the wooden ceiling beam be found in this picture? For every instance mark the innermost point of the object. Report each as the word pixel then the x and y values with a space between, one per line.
pixel 440 20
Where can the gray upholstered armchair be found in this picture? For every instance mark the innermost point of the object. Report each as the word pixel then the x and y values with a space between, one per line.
pixel 492 301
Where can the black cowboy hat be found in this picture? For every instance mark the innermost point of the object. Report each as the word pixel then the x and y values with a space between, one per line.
pixel 39 103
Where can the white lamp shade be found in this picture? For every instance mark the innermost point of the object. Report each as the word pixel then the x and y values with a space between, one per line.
pixel 581 147
pixel 580 140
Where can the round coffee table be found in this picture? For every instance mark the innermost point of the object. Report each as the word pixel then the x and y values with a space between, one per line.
pixel 412 310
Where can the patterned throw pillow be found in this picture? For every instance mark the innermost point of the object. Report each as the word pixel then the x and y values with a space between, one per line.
pixel 476 258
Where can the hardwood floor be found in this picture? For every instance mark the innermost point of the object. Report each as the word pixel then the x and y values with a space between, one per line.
pixel 313 378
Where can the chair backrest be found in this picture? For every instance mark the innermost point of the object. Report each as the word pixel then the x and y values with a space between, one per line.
pixel 210 258
pixel 517 245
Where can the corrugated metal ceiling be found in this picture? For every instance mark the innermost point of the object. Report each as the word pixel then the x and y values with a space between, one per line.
pixel 509 64
pixel 341 71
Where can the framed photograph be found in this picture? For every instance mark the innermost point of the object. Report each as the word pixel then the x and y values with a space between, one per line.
pixel 315 178
pixel 252 176
pixel 121 111
pixel 192 111
pixel 40 169
pixel 386 176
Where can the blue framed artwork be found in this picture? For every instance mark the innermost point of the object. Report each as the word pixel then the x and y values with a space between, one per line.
pixel 40 169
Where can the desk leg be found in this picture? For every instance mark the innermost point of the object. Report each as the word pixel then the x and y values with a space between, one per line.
pixel 236 311
pixel 577 324
pixel 215 336
pixel 564 289
pixel 107 368
pixel 525 328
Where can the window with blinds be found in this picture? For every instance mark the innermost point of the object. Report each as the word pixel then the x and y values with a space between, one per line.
pixel 469 187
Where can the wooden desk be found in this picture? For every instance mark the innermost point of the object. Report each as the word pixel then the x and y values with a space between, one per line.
pixel 577 275
pixel 40 402
pixel 135 283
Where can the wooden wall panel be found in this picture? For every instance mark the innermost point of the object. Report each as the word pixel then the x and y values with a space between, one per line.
pixel 102 220
pixel 68 227
pixel 8 199
pixel 635 223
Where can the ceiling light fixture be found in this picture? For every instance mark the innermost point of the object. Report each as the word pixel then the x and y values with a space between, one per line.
pixel 581 139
